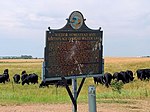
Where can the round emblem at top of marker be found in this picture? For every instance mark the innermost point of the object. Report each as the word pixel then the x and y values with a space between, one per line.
pixel 76 20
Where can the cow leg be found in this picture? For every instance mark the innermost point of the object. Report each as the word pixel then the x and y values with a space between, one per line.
pixel 4 82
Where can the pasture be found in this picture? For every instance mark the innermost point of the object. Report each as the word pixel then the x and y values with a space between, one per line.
pixel 11 93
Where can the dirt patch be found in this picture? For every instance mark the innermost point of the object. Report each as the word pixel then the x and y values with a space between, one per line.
pixel 136 106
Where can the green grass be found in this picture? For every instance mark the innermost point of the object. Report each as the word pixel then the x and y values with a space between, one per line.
pixel 19 94
pixel 11 93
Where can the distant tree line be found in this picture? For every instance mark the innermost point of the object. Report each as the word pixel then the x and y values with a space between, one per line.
pixel 145 56
pixel 17 57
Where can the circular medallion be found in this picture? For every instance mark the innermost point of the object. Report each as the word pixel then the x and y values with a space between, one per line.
pixel 76 20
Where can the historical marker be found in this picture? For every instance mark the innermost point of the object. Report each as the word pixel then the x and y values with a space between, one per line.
pixel 74 50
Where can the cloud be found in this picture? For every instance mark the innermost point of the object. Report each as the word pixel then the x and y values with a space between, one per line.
pixel 120 19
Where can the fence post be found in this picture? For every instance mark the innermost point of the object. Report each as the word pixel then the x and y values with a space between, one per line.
pixel 92 98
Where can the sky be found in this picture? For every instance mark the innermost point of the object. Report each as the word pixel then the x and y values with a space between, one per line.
pixel 125 23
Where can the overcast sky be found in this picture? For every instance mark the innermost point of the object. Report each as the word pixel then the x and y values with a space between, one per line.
pixel 126 24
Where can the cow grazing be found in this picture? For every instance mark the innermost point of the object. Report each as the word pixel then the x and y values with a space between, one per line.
pixel 119 76
pixel 2 79
pixel 31 78
pixel 124 76
pixel 57 83
pixel 129 75
pixel 23 75
pixel 147 73
pixel 46 83
pixel 6 75
pixel 138 72
pixel 143 74
pixel 16 78
pixel 107 79
pixel 99 79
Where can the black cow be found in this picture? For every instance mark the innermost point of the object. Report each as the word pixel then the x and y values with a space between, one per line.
pixel 16 78
pixel 124 76
pixel 6 75
pixel 46 83
pixel 23 77
pixel 119 76
pixel 31 78
pixel 147 73
pixel 99 79
pixel 138 72
pixel 129 75
pixel 142 74
pixel 2 79
pixel 107 79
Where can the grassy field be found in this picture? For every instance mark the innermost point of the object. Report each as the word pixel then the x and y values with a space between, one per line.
pixel 11 93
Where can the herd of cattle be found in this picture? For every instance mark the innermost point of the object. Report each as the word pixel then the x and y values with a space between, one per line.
pixel 25 78
pixel 124 76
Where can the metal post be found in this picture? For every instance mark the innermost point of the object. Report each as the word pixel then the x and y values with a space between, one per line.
pixel 92 98
pixel 43 71
pixel 74 89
